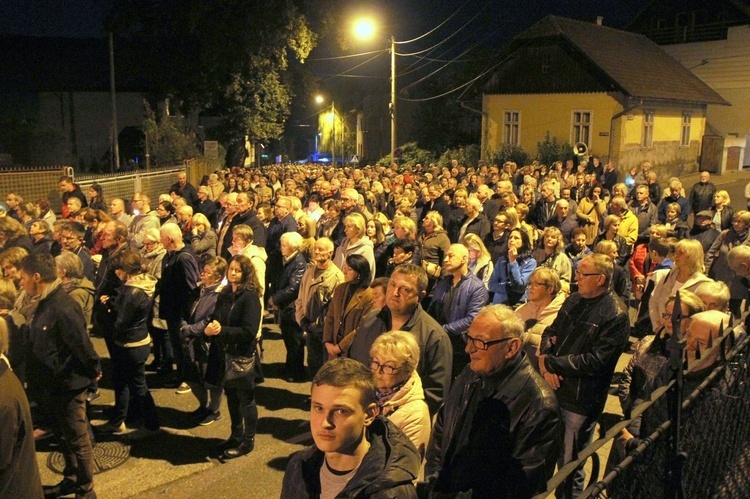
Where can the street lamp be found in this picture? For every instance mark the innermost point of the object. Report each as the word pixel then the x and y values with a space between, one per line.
pixel 365 29
pixel 319 99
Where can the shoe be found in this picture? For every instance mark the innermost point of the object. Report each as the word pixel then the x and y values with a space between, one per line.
pixel 245 447
pixel 110 428
pixel 226 444
pixel 153 366
pixel 142 434
pixel 183 388
pixel 199 413
pixel 64 488
pixel 91 396
pixel 166 369
pixel 210 418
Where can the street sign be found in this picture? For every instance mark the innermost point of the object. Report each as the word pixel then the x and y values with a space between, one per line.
pixel 211 149
pixel 355 159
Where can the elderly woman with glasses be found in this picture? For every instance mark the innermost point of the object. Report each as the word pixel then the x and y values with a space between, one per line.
pixel 393 360
pixel 540 310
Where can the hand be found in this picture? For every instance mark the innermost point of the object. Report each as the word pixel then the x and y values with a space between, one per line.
pixel 213 328
pixel 104 299
pixel 625 435
pixel 512 253
pixel 98 376
pixel 553 380
pixel 333 350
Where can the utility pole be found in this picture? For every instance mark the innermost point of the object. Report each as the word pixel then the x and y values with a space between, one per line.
pixel 115 128
pixel 333 133
pixel 393 99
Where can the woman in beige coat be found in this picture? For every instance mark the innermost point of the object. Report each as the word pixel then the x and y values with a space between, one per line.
pixel 590 211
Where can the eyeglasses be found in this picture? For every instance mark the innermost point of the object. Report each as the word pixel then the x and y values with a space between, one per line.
pixel 589 274
pixel 383 368
pixel 481 344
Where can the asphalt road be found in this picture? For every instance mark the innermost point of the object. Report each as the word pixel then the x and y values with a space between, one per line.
pixel 174 462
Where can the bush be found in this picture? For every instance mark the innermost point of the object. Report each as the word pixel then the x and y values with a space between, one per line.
pixel 411 154
pixel 466 156
pixel 550 150
pixel 509 152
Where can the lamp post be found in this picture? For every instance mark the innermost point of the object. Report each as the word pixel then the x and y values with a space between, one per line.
pixel 365 29
pixel 319 99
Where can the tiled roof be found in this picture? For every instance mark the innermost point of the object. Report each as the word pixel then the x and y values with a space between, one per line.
pixel 635 64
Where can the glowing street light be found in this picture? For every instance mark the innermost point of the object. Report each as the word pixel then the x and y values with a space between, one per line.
pixel 365 29
pixel 319 99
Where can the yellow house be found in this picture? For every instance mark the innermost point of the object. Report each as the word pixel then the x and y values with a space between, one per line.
pixel 616 92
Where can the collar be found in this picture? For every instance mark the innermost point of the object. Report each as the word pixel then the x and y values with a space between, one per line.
pixel 3 358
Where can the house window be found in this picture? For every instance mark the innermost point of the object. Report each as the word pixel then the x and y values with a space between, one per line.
pixel 648 129
pixel 581 127
pixel 511 127
pixel 685 137
pixel 546 58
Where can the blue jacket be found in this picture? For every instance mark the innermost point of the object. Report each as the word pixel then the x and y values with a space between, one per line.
pixel 509 280
pixel 468 300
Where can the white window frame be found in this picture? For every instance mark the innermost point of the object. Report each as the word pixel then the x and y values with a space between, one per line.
pixel 647 139
pixel 580 129
pixel 687 117
pixel 512 127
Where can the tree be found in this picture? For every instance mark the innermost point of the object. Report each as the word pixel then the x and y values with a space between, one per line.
pixel 169 139
pixel 225 57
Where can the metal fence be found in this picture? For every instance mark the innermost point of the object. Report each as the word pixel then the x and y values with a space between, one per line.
pixel 707 454
pixel 37 183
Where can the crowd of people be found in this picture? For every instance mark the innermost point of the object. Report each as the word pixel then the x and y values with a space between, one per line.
pixel 462 324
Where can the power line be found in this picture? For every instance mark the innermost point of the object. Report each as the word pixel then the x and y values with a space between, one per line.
pixel 347 56
pixel 436 27
pixel 344 73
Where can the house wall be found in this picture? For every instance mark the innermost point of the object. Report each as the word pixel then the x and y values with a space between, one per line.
pixel 727 70
pixel 553 113
pixel 79 124
pixel 549 112
pixel 666 155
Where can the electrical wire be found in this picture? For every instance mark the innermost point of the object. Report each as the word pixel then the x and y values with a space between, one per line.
pixel 346 56
pixel 436 27
pixel 344 73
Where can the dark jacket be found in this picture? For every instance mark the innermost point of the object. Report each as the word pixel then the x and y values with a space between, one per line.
pixel 42 246
pixel 624 250
pixel 178 286
pixel 343 316
pixel 468 299
pixel 680 200
pixel 275 262
pixel 289 281
pixel 132 307
pixel 647 216
pixel 200 316
pixel 479 226
pixel 512 439
pixel 250 218
pixel 106 283
pixel 727 214
pixel 702 196
pixel 438 205
pixel 590 336
pixel 61 356
pixel 19 242
pixel 19 474
pixel 435 351
pixel 209 209
pixel 189 193
pixel 239 314
pixel 387 469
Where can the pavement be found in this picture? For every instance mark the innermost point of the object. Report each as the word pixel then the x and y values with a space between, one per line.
pixel 174 463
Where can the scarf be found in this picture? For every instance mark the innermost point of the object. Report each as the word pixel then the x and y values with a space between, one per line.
pixel 382 397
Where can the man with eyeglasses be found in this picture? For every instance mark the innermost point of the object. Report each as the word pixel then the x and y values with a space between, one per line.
pixel 499 432
pixel 349 199
pixel 71 238
pixel 579 352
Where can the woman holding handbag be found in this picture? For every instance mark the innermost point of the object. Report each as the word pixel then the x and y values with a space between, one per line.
pixel 231 359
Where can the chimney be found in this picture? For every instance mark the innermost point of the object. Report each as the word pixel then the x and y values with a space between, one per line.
pixel 599 20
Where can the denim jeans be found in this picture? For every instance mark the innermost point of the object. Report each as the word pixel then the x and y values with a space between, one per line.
pixel 129 380
pixel 578 431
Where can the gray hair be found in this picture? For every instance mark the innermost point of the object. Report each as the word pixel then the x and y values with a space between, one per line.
pixel 70 264
pixel 510 325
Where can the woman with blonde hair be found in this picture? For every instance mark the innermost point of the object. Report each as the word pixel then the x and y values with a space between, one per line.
pixel 203 239
pixel 723 213
pixel 590 210
pixel 306 228
pixel 394 357
pixel 480 260
pixel 356 243
pixel 523 211
pixel 551 254
pixel 434 244
pixel 406 228
pixel 688 273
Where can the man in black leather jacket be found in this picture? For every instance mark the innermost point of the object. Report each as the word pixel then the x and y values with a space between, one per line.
pixel 579 352
pixel 499 432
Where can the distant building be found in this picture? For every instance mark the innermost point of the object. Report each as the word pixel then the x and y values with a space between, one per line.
pixel 713 43
pixel 617 92
pixel 55 105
